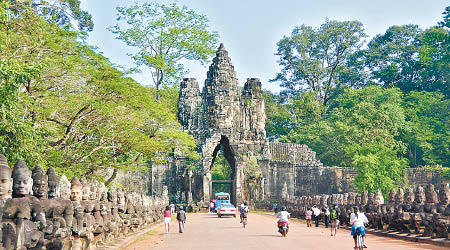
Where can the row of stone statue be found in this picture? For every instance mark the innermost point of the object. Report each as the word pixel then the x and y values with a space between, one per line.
pixel 423 211
pixel 38 210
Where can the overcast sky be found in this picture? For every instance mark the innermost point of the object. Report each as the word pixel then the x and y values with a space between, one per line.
pixel 250 29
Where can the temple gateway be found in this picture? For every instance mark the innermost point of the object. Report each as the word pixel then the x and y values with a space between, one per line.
pixel 226 115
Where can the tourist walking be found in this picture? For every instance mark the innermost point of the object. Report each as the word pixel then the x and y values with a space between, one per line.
pixel 181 218
pixel 172 208
pixel 308 215
pixel 326 213
pixel 167 216
pixel 334 216
pixel 275 208
pixel 211 206
pixel 316 213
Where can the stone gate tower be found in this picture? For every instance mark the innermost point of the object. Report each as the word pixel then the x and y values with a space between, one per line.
pixel 224 114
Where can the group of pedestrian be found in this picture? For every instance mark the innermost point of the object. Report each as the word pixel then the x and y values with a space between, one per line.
pixel 330 216
pixel 181 217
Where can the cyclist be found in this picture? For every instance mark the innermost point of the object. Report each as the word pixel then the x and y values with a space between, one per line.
pixel 240 211
pixel 357 220
pixel 334 216
pixel 244 212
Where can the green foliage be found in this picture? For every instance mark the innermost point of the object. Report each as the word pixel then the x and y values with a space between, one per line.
pixel 313 59
pixel 428 138
pixel 379 168
pixel 69 108
pixel 163 36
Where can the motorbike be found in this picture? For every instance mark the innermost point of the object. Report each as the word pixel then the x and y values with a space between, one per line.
pixel 283 228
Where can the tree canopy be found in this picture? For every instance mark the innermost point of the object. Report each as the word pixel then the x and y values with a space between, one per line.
pixel 164 35
pixel 66 106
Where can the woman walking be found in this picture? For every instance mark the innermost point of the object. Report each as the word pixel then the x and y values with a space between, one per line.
pixel 167 216
pixel 308 215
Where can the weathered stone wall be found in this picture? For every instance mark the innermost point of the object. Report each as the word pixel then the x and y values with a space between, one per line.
pixel 38 213
pixel 423 211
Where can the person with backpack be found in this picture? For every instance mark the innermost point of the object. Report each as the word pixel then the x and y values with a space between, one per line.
pixel 334 216
pixel 181 218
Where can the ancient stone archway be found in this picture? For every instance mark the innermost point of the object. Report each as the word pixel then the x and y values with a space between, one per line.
pixel 231 159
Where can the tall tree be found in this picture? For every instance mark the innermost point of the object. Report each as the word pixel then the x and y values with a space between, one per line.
pixel 164 35
pixel 312 59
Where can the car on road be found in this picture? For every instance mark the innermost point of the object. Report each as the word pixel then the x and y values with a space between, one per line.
pixel 226 209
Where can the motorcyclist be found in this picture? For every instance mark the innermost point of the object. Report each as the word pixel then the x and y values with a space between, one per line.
pixel 284 216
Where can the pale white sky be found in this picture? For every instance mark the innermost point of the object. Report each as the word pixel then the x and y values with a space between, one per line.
pixel 250 29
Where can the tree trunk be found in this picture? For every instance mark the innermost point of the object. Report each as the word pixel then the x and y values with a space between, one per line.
pixel 113 176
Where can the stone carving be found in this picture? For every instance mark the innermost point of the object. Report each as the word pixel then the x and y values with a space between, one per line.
pixel 5 178
pixel 53 184
pixel 444 193
pixel 430 194
pixel 65 188
pixel 413 214
pixel 40 182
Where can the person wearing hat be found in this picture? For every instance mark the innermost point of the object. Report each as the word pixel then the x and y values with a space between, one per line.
pixel 181 218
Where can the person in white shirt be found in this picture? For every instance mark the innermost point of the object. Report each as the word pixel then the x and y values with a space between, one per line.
pixel 358 220
pixel 284 215
pixel 316 213
pixel 240 211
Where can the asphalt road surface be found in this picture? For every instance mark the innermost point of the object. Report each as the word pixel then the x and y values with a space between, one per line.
pixel 207 231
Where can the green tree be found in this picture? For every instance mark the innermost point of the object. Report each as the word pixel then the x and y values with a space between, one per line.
pixel 69 108
pixel 313 59
pixel 164 35
pixel 428 137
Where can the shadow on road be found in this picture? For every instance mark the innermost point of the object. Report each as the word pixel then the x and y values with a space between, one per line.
pixel 266 235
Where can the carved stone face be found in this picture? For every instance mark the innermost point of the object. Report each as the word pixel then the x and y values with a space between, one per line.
pixel 22 185
pixel 430 194
pixel 5 181
pixel 77 193
pixel 86 191
pixel 420 196
pixel 52 190
pixel 392 196
pixel 379 199
pixel 444 193
pixel 64 188
pixel 409 195
pixel 40 186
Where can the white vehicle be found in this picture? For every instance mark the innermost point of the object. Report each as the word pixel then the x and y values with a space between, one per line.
pixel 226 209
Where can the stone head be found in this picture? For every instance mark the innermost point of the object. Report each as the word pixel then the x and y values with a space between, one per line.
pixel 400 196
pixel 444 193
pixel 351 198
pixel 5 177
pixel 358 199
pixel 409 195
pixel 40 183
pixel 112 195
pixel 364 198
pixel 77 190
pixel 419 197
pixel 93 190
pixel 103 193
pixel 430 194
pixel 53 184
pixel 379 199
pixel 86 189
pixel 345 200
pixel 65 188
pixel 371 200
pixel 22 181
pixel 392 195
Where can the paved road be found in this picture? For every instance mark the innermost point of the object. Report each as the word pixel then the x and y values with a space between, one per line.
pixel 206 231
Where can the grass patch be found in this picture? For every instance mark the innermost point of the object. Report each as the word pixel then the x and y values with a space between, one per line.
pixel 259 211
pixel 150 233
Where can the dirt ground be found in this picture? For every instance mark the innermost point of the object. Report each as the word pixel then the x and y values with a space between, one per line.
pixel 207 231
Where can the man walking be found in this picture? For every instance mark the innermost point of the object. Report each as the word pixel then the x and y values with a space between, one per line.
pixel 275 208
pixel 316 213
pixel 181 218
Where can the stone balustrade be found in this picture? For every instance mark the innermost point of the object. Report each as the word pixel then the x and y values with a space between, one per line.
pixel 38 210
pixel 421 211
